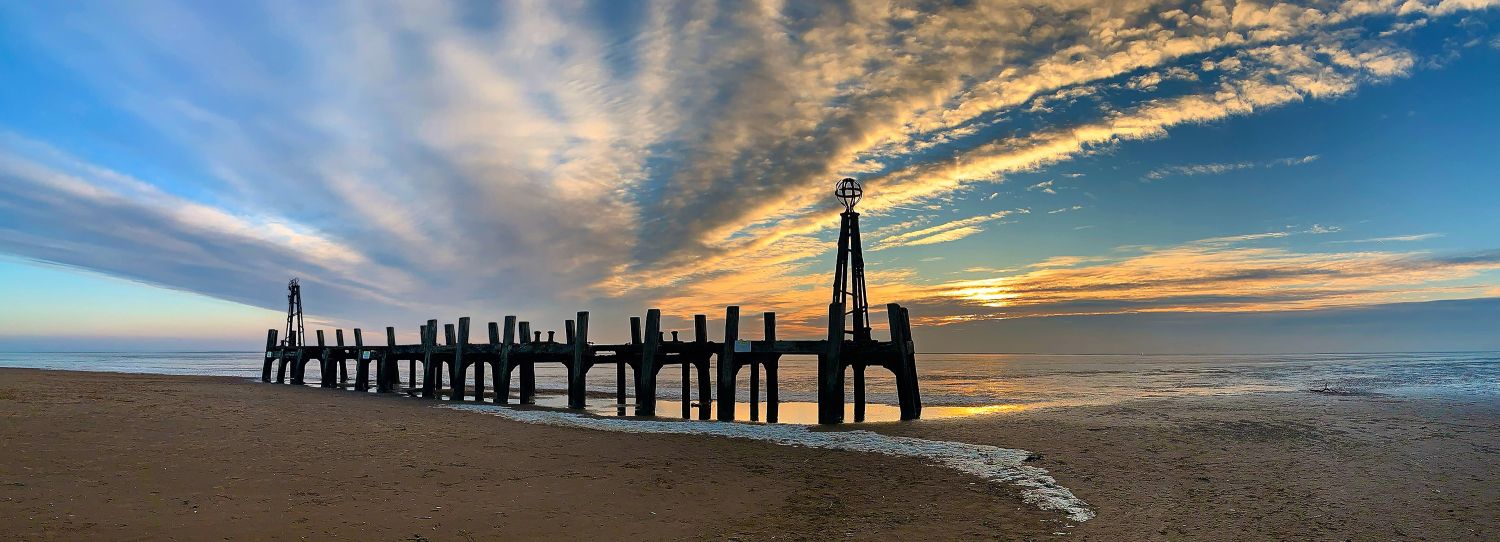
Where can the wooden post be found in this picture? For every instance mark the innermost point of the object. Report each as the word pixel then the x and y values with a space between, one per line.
pixel 568 331
pixel 411 364
pixel 528 371
pixel 361 364
pixel 645 392
pixel 686 384
pixel 456 380
pixel 429 371
pixel 325 378
pixel 495 372
pixel 772 407
pixel 388 375
pixel 909 357
pixel 727 363
pixel 299 367
pixel 478 366
pixel 265 369
pixel 705 390
pixel 578 372
pixel 831 369
pixel 859 391
pixel 291 339
pixel 338 335
pixel 635 339
pixel 502 373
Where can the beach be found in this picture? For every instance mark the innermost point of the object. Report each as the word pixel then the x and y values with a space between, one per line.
pixel 152 457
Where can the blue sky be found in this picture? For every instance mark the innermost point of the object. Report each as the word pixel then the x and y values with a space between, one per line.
pixel 1035 171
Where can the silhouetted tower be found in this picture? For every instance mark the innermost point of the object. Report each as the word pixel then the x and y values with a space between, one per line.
pixel 849 276
pixel 294 315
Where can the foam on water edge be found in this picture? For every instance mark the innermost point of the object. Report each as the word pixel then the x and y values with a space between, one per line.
pixel 991 463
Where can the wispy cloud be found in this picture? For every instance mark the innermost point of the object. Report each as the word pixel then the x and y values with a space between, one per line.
pixel 1215 169
pixel 1391 239
pixel 1044 187
pixel 430 156
pixel 1212 275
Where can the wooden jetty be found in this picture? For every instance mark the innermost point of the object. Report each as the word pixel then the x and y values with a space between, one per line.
pixel 848 345
pixel 513 345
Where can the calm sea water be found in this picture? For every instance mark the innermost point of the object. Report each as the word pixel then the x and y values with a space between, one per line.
pixel 978 382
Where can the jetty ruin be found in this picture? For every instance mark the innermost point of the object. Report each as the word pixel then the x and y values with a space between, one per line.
pixel 513 347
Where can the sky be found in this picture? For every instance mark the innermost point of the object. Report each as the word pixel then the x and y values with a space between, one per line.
pixel 1040 176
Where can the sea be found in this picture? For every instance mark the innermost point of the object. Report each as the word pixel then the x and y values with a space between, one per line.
pixel 953 384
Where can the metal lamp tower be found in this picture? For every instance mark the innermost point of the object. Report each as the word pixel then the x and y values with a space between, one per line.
pixel 294 335
pixel 849 275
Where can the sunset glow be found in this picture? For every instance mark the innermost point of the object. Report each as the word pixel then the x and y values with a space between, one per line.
pixel 1020 159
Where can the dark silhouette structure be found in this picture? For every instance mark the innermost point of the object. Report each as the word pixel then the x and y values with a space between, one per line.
pixel 849 345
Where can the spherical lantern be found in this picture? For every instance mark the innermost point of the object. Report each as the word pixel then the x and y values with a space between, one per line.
pixel 848 193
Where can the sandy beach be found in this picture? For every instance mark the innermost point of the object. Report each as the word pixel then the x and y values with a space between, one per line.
pixel 147 457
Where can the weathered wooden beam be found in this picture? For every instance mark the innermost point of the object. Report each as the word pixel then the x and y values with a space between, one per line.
pixel 907 392
pixel 645 392
pixel 388 377
pixel 772 401
pixel 705 388
pixel 635 339
pixel 265 370
pixel 504 369
pixel 430 384
pixel 326 370
pixel 727 363
pixel 361 363
pixel 457 365
pixel 338 335
pixel 411 363
pixel 528 371
pixel 831 369
pixel 495 370
pixel 282 358
pixel 578 336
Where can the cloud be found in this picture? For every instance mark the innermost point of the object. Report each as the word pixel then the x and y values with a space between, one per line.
pixel 1064 209
pixel 1212 275
pixel 1391 239
pixel 1044 187
pixel 436 157
pixel 1215 169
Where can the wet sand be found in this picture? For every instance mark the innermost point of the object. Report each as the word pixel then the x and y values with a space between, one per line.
pixel 98 456
pixel 145 457
pixel 1277 466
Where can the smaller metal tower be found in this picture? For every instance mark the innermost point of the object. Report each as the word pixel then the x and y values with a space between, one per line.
pixel 294 335
pixel 849 275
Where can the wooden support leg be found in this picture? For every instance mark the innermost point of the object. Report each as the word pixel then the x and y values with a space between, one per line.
pixel 429 370
pixel 859 392
pixel 361 363
pixel 387 377
pixel 458 364
pixel 705 391
pixel 831 369
pixel 478 372
pixel 326 378
pixel 265 369
pixel 579 370
pixel 528 371
pixel 635 339
pixel 645 391
pixel 728 364
pixel 906 368
pixel 497 369
pixel 503 369
pixel 773 402
pixel 754 390
pixel 342 359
